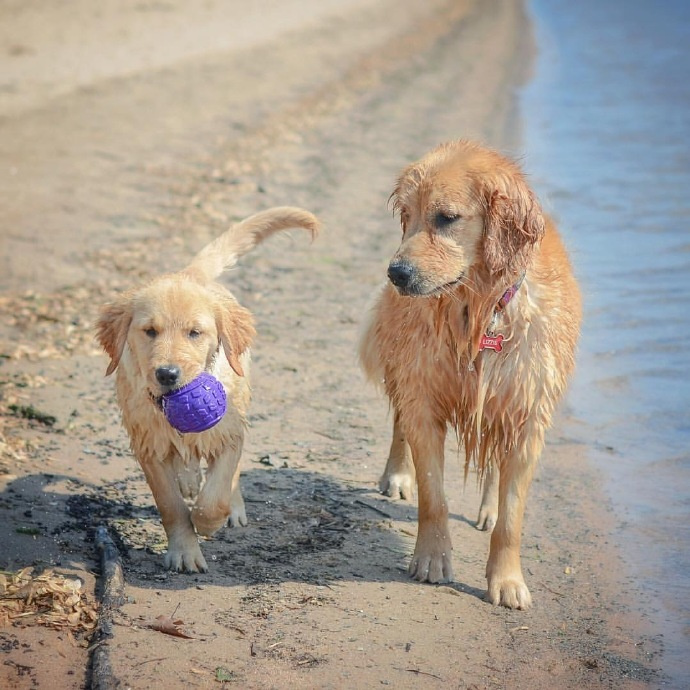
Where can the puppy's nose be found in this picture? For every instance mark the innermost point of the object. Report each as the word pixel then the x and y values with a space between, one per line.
pixel 168 375
pixel 400 273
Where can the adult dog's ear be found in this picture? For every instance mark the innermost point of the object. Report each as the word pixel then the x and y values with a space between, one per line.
pixel 513 224
pixel 112 327
pixel 236 331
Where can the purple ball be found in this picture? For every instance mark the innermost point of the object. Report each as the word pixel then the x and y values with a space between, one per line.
pixel 197 406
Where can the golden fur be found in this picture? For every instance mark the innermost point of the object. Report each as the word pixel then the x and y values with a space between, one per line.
pixel 471 229
pixel 183 320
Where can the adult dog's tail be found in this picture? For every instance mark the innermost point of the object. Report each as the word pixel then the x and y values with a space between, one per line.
pixel 225 250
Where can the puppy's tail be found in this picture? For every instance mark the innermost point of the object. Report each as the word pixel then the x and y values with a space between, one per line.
pixel 225 250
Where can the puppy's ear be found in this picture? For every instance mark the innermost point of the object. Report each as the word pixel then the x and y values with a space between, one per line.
pixel 112 327
pixel 236 331
pixel 513 223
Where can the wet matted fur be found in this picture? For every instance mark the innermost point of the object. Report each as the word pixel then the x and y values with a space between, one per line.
pixel 161 336
pixel 478 258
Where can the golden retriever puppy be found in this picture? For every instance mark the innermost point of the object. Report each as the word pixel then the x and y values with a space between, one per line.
pixel 476 329
pixel 160 337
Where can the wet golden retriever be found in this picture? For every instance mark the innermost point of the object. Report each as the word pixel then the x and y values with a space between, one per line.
pixel 476 329
pixel 163 335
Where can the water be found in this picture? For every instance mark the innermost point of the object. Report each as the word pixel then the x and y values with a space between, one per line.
pixel 607 136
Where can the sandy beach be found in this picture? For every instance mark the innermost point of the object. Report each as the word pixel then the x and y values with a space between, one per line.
pixel 131 134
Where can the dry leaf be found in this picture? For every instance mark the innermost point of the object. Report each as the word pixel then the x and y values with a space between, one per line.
pixel 167 625
pixel 448 590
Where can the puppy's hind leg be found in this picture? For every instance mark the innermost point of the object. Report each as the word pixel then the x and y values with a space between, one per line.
pixel 238 516
pixel 398 479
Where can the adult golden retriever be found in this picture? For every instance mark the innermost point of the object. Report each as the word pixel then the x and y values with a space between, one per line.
pixel 163 335
pixel 477 328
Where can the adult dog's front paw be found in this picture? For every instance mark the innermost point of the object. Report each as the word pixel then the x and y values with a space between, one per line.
pixel 184 555
pixel 432 559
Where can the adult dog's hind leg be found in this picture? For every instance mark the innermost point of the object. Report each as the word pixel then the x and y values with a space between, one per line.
pixel 398 479
pixel 488 509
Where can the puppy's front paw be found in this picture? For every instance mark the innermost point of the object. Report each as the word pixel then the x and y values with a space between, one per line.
pixel 397 485
pixel 184 555
pixel 208 520
pixel 509 591
pixel 432 559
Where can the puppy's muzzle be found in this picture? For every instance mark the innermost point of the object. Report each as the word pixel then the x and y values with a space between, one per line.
pixel 168 375
pixel 402 274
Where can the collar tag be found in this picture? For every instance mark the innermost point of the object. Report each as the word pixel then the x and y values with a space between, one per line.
pixel 491 342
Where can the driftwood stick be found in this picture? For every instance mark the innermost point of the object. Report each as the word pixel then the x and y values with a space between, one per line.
pixel 112 596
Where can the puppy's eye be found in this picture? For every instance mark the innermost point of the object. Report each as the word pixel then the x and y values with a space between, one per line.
pixel 151 332
pixel 444 220
pixel 194 333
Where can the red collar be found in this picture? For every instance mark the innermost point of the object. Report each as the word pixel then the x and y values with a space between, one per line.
pixel 491 340
pixel 509 294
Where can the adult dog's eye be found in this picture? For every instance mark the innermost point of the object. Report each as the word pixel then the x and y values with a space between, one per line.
pixel 194 333
pixel 443 220
pixel 151 332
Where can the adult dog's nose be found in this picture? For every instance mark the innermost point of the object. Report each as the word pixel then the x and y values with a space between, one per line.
pixel 168 375
pixel 400 273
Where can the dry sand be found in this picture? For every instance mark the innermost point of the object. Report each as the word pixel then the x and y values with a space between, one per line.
pixel 131 134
